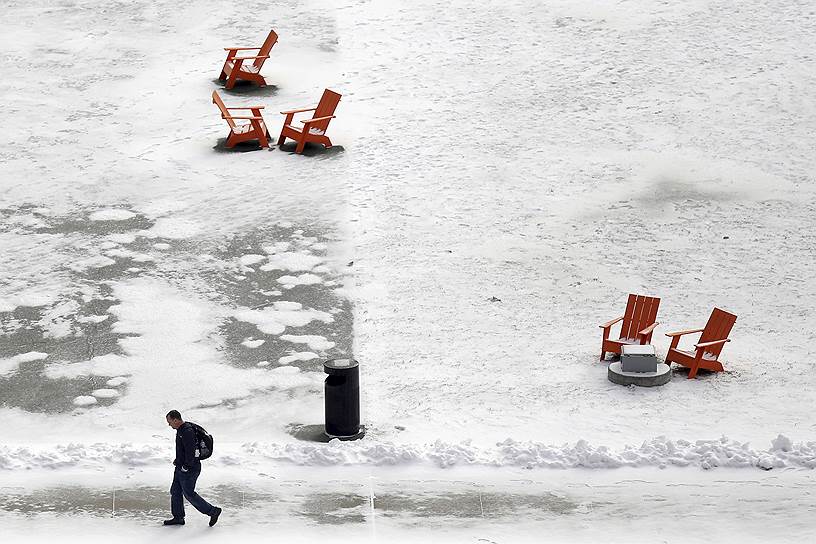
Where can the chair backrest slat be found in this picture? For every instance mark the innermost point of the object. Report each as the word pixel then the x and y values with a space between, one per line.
pixel 271 40
pixel 652 314
pixel 641 311
pixel 628 315
pixel 718 327
pixel 220 103
pixel 640 303
pixel 328 103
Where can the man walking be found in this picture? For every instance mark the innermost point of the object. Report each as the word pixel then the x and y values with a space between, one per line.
pixel 188 468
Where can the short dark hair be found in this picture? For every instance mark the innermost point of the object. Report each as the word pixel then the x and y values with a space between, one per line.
pixel 174 414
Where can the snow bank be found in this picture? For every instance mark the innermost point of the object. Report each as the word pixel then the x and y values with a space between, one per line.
pixel 97 261
pixel 172 228
pixel 122 238
pixel 288 282
pixel 248 260
pixel 92 319
pixel 105 393
pixel 282 314
pixel 81 455
pixel 109 364
pixel 127 254
pixel 252 343
pixel 658 452
pixel 113 214
pixel 294 262
pixel 11 364
pixel 316 343
pixel 297 356
pixel 29 299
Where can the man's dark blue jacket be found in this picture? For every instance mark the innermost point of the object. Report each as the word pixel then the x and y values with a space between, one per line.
pixel 186 448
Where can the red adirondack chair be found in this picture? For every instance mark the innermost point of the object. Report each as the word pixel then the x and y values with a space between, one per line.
pixel 707 350
pixel 638 324
pixel 255 130
pixel 236 68
pixel 314 129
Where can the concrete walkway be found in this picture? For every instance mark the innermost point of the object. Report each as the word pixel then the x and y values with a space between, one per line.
pixel 388 505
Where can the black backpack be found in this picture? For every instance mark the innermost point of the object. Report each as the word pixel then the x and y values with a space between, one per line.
pixel 204 442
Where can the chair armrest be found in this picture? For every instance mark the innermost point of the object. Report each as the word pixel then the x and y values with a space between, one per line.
pixel 610 323
pixel 287 112
pixel 250 58
pixel 241 117
pixel 681 333
pixel 316 119
pixel 649 329
pixel 241 48
pixel 714 343
pixel 247 108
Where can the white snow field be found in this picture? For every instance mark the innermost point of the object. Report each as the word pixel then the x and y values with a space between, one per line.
pixel 503 175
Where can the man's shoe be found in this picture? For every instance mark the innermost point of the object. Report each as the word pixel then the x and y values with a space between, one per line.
pixel 214 516
pixel 174 521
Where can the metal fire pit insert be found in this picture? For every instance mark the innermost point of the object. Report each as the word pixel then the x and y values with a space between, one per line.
pixel 636 358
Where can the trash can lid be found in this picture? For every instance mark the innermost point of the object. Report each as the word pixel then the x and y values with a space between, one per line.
pixel 339 366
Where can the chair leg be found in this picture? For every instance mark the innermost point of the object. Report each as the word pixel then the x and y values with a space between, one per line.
pixel 604 336
pixel 695 365
pixel 301 144
pixel 223 75
pixel 259 131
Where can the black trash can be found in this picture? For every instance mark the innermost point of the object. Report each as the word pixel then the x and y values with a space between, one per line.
pixel 342 398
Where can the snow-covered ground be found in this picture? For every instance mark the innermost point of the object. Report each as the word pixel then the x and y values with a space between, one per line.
pixel 504 173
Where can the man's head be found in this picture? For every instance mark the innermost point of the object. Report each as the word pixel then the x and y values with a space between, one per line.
pixel 174 419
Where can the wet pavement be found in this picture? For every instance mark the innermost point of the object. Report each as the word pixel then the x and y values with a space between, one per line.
pixel 408 499
pixel 642 504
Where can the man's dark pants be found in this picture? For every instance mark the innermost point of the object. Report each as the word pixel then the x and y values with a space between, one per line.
pixel 184 488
